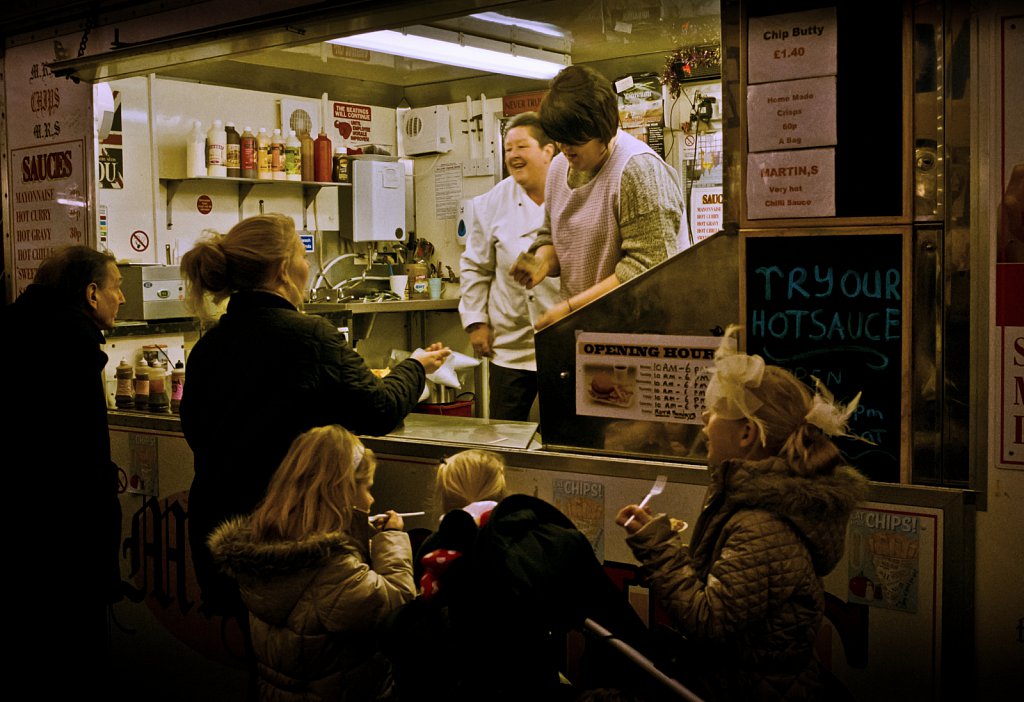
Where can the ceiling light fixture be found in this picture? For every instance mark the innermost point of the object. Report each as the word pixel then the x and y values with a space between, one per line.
pixel 459 49
pixel 542 28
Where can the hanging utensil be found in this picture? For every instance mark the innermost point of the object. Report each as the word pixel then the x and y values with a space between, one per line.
pixel 469 127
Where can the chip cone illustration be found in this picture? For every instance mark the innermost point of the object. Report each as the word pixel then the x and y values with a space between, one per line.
pixel 895 575
pixel 895 559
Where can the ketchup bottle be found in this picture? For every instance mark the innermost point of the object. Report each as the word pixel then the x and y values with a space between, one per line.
pixel 323 165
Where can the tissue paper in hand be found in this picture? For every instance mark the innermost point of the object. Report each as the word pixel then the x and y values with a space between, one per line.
pixel 446 375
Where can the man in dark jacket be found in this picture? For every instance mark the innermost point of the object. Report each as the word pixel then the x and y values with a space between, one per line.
pixel 63 539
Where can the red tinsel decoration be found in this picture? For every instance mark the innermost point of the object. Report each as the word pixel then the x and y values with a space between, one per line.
pixel 680 64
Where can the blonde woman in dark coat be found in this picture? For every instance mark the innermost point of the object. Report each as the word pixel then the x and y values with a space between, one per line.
pixel 747 590
pixel 265 373
pixel 315 582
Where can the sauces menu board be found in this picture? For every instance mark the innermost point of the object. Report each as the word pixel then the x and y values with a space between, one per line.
pixel 834 306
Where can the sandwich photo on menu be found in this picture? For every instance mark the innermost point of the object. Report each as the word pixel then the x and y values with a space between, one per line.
pixel 610 385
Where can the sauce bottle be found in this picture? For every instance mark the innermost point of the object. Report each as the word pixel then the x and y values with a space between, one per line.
pixel 124 396
pixel 157 388
pixel 323 164
pixel 233 152
pixel 195 153
pixel 177 386
pixel 216 153
pixel 277 155
pixel 263 170
pixel 292 157
pixel 341 165
pixel 307 147
pixel 247 153
pixel 142 385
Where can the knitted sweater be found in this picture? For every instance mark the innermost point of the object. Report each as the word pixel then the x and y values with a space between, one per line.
pixel 624 219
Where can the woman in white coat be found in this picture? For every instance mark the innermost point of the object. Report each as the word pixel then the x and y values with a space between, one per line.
pixel 498 313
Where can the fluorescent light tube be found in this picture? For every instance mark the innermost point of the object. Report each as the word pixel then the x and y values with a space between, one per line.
pixel 457 49
pixel 538 27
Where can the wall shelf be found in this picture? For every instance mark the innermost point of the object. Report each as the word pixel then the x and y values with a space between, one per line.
pixel 364 314
pixel 310 189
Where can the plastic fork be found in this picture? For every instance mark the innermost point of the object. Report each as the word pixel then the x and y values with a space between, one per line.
pixel 400 514
pixel 656 489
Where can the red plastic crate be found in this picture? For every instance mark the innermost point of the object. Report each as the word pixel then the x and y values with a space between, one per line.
pixel 459 408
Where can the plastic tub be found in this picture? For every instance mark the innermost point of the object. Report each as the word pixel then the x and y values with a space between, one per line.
pixel 459 408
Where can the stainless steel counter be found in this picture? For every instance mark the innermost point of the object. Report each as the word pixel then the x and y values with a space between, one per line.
pixel 150 421
pixel 432 437
pixel 468 430
pixel 375 307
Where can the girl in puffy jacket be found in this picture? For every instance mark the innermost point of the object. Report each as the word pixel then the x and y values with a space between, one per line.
pixel 315 575
pixel 747 590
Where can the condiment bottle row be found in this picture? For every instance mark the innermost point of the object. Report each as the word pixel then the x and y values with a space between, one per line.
pixel 223 151
pixel 144 386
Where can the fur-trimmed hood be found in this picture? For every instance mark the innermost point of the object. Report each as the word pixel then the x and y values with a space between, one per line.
pixel 274 576
pixel 817 506
pixel 238 553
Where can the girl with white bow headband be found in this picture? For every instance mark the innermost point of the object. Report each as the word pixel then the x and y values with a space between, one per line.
pixel 747 589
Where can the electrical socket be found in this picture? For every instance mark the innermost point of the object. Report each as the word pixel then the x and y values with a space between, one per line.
pixel 477 167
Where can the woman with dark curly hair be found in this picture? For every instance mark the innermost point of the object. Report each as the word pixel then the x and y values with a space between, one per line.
pixel 613 207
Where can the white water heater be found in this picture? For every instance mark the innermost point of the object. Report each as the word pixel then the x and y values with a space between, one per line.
pixel 373 207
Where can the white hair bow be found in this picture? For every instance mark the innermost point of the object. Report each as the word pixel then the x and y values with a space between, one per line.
pixel 728 394
pixel 828 415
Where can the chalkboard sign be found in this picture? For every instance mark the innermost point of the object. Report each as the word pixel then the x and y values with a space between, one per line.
pixel 834 306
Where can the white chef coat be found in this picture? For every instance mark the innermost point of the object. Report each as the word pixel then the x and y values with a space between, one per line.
pixel 504 223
